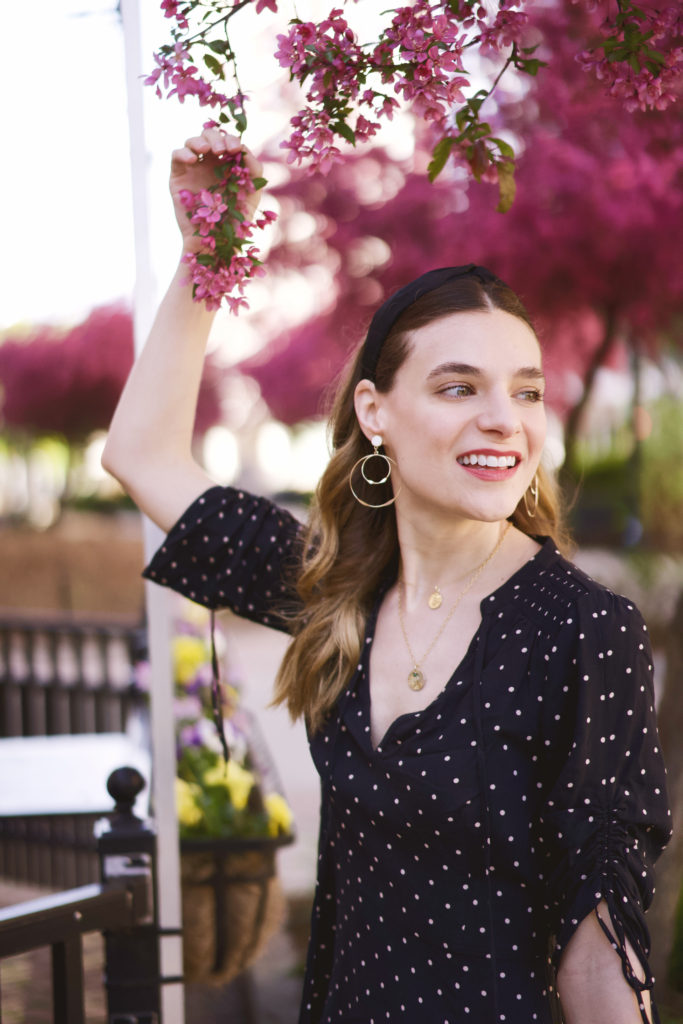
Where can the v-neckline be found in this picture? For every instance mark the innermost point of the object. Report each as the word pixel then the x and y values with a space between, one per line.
pixel 421 713
pixel 485 606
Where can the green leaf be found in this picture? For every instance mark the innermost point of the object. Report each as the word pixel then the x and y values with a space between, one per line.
pixel 241 122
pixel 506 186
pixel 260 183
pixel 214 66
pixel 504 148
pixel 343 129
pixel 219 45
pixel 440 155
pixel 531 67
pixel 654 56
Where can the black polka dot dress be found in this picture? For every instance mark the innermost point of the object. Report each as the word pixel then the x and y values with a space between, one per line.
pixel 457 858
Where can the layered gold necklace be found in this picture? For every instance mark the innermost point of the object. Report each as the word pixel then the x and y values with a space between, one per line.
pixel 416 677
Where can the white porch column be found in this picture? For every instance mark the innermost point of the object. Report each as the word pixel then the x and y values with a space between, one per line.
pixel 157 603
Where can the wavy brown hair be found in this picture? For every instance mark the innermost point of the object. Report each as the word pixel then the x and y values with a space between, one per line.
pixel 349 548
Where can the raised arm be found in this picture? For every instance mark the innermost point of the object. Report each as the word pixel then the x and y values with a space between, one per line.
pixel 149 447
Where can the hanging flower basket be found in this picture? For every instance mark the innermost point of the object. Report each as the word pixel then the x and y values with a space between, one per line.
pixel 232 904
pixel 232 816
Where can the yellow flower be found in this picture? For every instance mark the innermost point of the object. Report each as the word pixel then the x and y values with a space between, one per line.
pixel 236 779
pixel 186 804
pixel 189 654
pixel 280 817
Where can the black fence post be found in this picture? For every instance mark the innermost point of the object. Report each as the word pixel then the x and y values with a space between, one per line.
pixel 127 848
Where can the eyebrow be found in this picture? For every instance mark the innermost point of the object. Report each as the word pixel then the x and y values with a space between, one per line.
pixel 466 370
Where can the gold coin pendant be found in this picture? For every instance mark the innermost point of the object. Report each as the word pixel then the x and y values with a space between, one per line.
pixel 416 681
pixel 435 599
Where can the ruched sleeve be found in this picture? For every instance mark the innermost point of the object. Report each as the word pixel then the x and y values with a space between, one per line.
pixel 605 816
pixel 231 549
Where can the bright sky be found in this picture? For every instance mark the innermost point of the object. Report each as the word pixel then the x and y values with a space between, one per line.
pixel 65 174
pixel 65 177
pixel 67 236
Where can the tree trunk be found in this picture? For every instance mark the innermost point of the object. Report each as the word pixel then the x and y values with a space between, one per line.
pixel 573 423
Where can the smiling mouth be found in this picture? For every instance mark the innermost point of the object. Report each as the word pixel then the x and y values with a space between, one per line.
pixel 489 461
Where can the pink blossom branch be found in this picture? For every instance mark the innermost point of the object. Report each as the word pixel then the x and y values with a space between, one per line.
pixel 227 260
pixel 418 61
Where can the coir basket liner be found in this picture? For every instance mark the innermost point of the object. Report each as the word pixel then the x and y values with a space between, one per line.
pixel 232 903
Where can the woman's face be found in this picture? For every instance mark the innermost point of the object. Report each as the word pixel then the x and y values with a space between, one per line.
pixel 464 420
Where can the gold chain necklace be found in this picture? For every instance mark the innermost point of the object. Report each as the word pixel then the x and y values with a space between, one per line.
pixel 416 677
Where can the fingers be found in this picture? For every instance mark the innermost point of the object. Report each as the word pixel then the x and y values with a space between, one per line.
pixel 215 142
pixel 254 165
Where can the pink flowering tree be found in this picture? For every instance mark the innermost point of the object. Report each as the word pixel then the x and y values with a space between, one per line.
pixel 65 384
pixel 588 242
pixel 425 57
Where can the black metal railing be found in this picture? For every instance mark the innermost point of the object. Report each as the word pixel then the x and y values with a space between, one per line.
pixel 60 921
pixel 60 676
pixel 63 676
pixel 58 851
pixel 121 906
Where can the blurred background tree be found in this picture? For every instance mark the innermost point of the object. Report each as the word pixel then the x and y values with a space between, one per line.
pixel 58 392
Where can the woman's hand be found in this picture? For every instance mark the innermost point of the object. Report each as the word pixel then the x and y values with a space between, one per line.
pixel 194 168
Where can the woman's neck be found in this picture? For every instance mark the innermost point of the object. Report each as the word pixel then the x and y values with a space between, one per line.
pixel 444 558
pixel 444 554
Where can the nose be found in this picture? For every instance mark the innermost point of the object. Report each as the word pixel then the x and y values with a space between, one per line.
pixel 499 415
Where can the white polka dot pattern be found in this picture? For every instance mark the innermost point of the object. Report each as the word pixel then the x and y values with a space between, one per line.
pixel 232 550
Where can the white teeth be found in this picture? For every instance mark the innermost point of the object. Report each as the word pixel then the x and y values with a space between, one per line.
pixel 490 461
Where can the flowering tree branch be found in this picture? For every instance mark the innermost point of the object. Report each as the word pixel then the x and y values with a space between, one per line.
pixel 423 58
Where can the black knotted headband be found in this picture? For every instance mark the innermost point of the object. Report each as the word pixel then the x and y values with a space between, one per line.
pixel 389 312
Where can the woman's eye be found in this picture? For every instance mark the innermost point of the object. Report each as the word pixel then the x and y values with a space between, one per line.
pixel 458 390
pixel 531 395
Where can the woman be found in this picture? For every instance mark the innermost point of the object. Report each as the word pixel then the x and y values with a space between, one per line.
pixel 480 711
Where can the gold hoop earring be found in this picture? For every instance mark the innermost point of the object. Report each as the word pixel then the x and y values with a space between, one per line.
pixel 533 487
pixel 375 441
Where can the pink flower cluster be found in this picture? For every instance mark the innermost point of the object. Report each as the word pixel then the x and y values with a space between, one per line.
pixel 226 262
pixel 431 46
pixel 181 78
pixel 320 52
pixel 175 9
pixel 312 140
pixel 205 209
pixel 652 82
pixel 215 283
pixel 638 90
pixel 506 28
pixel 419 57
pixel 329 59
